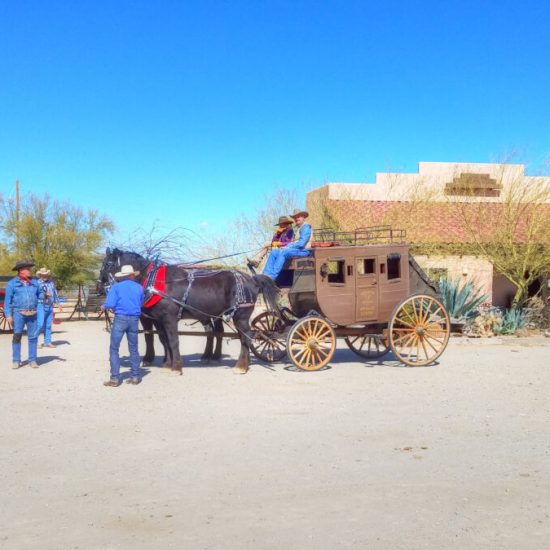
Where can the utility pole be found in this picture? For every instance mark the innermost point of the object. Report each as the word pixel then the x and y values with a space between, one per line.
pixel 17 218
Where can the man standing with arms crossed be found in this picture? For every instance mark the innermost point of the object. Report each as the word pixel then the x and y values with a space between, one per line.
pixel 125 299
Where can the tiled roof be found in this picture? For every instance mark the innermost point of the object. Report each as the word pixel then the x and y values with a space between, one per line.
pixel 431 222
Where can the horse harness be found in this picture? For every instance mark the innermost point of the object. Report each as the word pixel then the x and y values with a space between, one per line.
pixel 155 286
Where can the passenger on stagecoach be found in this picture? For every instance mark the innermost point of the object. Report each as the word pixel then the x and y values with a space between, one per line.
pixel 282 236
pixel 298 248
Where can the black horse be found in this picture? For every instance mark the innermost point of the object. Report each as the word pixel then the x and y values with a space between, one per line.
pixel 201 294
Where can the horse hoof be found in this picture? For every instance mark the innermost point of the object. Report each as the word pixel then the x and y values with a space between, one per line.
pixel 176 372
pixel 145 363
pixel 240 370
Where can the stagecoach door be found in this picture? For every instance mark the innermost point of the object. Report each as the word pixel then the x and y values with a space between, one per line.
pixel 366 288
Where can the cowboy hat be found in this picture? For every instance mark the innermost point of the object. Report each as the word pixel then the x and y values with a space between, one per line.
pixel 297 212
pixel 126 271
pixel 284 219
pixel 43 271
pixel 21 264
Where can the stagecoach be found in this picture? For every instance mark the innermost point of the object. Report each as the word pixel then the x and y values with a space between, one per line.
pixel 362 286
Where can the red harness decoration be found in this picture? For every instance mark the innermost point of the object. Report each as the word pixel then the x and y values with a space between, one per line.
pixel 159 284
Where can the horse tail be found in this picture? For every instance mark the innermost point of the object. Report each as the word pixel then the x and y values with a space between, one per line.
pixel 269 290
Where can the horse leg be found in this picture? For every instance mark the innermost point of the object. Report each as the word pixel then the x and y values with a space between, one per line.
pixel 166 362
pixel 170 324
pixel 218 328
pixel 209 341
pixel 149 356
pixel 241 322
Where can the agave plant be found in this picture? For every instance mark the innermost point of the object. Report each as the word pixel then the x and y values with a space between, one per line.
pixel 461 300
pixel 512 321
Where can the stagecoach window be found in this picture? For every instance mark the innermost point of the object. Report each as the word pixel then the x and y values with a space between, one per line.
pixel 366 266
pixel 394 266
pixel 336 271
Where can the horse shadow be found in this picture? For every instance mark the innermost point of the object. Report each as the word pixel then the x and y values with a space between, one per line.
pixel 195 361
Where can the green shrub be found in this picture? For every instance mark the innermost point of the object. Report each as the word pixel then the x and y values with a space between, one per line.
pixel 461 300
pixel 512 321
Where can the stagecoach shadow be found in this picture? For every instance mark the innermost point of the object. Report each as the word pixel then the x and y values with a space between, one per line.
pixel 390 360
pixel 387 360
pixel 293 368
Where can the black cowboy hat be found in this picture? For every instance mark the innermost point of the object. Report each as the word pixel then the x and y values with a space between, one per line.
pixel 22 264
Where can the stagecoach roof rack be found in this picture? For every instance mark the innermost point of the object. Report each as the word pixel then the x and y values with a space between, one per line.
pixel 377 234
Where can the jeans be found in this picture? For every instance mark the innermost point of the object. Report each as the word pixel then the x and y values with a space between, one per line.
pixel 278 257
pixel 44 314
pixel 19 322
pixel 124 324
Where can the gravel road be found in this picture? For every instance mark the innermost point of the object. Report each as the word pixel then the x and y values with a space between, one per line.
pixel 361 455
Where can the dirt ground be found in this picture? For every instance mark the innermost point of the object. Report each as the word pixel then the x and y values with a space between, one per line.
pixel 361 455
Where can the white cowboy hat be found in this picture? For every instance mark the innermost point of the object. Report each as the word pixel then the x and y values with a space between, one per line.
pixel 43 271
pixel 126 271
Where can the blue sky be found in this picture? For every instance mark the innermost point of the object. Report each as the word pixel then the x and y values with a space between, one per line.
pixel 190 111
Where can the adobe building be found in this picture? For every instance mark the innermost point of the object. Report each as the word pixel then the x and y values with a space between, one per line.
pixel 425 204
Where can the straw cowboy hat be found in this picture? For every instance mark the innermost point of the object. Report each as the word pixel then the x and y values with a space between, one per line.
pixel 126 271
pixel 297 212
pixel 284 219
pixel 21 264
pixel 43 271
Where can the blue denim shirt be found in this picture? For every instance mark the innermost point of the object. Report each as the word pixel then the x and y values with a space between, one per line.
pixel 48 293
pixel 125 298
pixel 304 234
pixel 20 296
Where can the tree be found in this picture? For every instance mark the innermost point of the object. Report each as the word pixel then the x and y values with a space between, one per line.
pixel 514 233
pixel 174 245
pixel 248 232
pixel 57 234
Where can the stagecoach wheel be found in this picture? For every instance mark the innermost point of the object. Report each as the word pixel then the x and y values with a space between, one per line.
pixel 419 330
pixel 5 325
pixel 369 346
pixel 269 344
pixel 311 343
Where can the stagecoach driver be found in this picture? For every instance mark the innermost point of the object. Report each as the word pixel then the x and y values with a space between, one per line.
pixel 124 298
pixel 296 249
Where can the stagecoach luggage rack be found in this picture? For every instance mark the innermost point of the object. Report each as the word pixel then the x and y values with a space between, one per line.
pixel 378 234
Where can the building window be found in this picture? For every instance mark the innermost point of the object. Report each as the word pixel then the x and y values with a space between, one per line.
pixel 366 266
pixel 394 266
pixel 473 185
pixel 336 271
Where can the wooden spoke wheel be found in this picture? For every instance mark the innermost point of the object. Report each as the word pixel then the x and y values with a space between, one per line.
pixel 369 346
pixel 311 343
pixel 5 325
pixel 419 330
pixel 269 343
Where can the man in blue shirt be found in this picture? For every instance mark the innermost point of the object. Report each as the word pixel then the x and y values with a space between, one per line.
pixel 297 248
pixel 125 299
pixel 47 299
pixel 20 305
